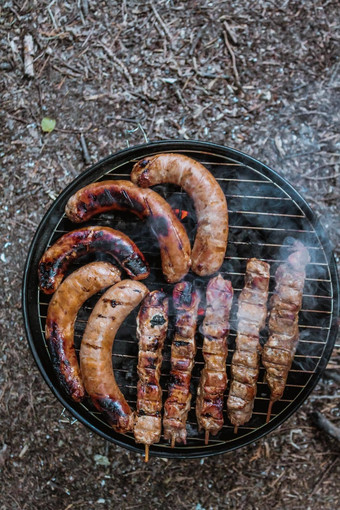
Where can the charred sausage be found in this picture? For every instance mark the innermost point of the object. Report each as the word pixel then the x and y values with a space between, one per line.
pixel 210 204
pixel 61 315
pixel 183 350
pixel 146 204
pixel 245 365
pixel 152 325
pixel 56 260
pixel 96 349
pixel 285 304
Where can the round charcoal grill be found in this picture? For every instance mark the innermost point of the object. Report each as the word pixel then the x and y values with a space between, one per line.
pixel 265 214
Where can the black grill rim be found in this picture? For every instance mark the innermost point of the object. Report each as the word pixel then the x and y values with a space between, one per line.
pixel 29 289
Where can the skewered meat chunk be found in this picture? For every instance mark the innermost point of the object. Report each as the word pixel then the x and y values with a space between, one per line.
pixel 152 325
pixel 285 304
pixel 252 311
pixel 183 350
pixel 213 380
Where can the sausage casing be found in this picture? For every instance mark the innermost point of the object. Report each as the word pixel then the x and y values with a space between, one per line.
pixel 96 351
pixel 62 313
pixel 146 204
pixel 56 260
pixel 210 204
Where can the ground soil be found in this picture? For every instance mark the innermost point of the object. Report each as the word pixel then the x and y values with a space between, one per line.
pixel 262 77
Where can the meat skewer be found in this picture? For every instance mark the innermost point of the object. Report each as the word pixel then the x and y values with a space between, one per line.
pixel 213 380
pixel 183 350
pixel 251 315
pixel 152 325
pixel 285 304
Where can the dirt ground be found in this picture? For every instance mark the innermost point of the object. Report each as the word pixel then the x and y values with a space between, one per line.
pixel 262 77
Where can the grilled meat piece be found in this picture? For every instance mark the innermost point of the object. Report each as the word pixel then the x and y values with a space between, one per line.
pixel 152 325
pixel 285 304
pixel 213 380
pixel 183 352
pixel 252 311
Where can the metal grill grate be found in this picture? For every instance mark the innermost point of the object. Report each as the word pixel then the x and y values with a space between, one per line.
pixel 264 212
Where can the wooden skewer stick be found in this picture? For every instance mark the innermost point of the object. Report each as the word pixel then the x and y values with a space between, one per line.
pixel 271 402
pixel 235 429
pixel 206 437
pixel 147 453
pixel 173 440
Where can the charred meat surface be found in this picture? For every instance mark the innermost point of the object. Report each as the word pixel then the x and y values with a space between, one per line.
pixel 146 204
pixel 152 325
pixel 57 259
pixel 61 316
pixel 96 351
pixel 183 350
pixel 213 380
pixel 252 312
pixel 285 304
pixel 210 204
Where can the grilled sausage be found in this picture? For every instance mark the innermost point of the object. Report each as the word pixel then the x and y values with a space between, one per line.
pixel 213 380
pixel 251 315
pixel 183 350
pixel 209 200
pixel 146 204
pixel 61 315
pixel 152 325
pixel 285 304
pixel 56 260
pixel 96 348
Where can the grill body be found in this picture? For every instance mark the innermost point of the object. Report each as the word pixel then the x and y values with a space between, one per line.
pixel 265 214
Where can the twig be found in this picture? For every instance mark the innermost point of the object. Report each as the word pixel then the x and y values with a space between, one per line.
pixel 323 177
pixel 323 476
pixel 119 64
pixel 84 148
pixel 161 22
pixel 230 32
pixel 233 59
pixel 28 56
pixel 322 423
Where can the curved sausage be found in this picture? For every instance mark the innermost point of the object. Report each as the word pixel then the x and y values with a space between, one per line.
pixel 96 348
pixel 56 260
pixel 145 203
pixel 210 204
pixel 61 315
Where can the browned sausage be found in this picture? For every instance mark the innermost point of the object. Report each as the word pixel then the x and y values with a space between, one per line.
pixel 210 204
pixel 146 204
pixel 56 260
pixel 61 315
pixel 96 348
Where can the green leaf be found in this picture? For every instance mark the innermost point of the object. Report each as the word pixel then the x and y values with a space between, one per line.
pixel 47 125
